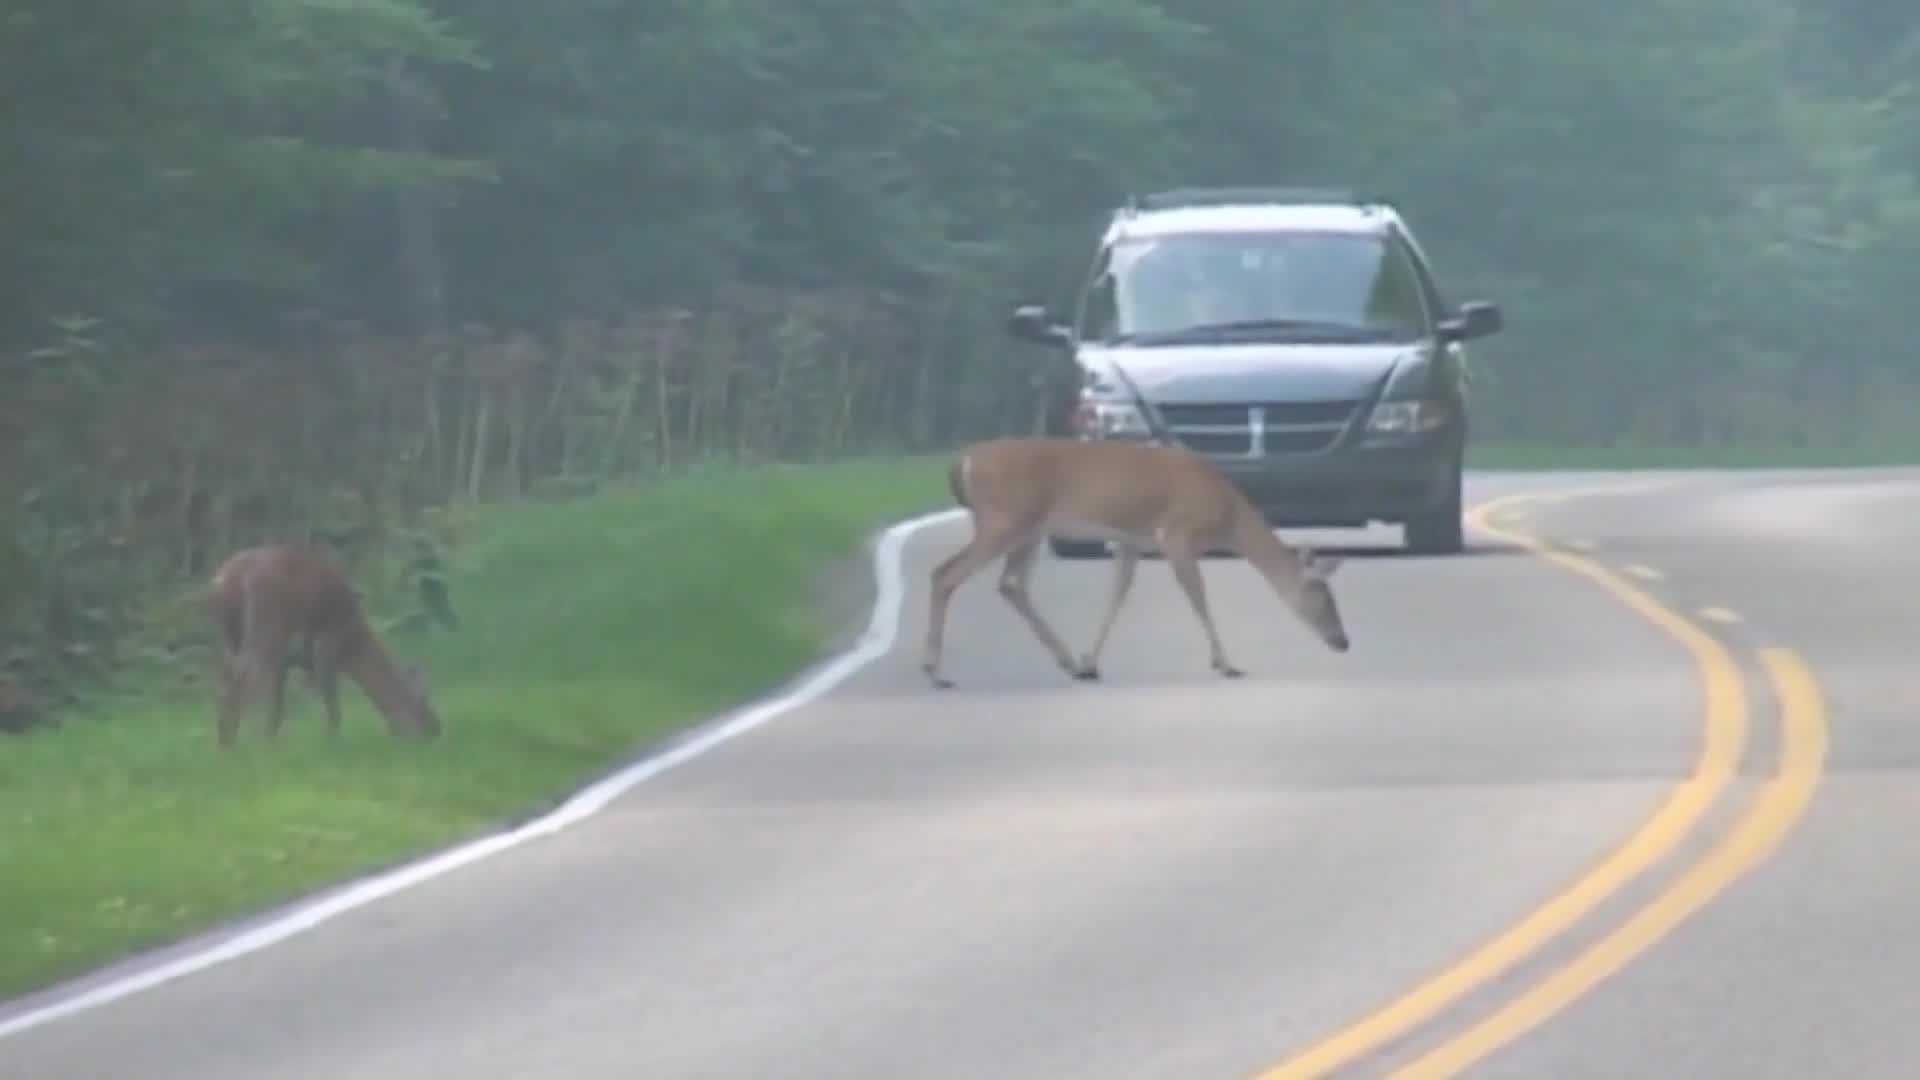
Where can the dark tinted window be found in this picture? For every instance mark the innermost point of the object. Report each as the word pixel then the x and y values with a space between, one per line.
pixel 1355 285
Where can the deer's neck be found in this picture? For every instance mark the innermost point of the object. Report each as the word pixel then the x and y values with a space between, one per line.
pixel 1277 562
pixel 369 664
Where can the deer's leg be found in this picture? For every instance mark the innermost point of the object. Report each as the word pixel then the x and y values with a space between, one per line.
pixel 990 539
pixel 1126 558
pixel 277 655
pixel 227 671
pixel 324 655
pixel 233 680
pixel 244 677
pixel 302 658
pixel 279 688
pixel 1013 586
pixel 1179 551
pixel 267 664
pixel 227 674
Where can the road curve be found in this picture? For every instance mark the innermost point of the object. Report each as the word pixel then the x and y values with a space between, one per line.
pixel 1172 875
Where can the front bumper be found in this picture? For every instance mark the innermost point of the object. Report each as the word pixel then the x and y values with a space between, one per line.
pixel 1348 486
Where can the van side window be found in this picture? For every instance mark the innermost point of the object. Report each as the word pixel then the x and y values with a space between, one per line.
pixel 1429 289
pixel 1399 296
pixel 1099 307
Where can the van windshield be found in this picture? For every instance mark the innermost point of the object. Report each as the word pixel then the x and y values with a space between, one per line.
pixel 1292 286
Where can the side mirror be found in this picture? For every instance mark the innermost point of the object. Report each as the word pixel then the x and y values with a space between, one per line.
pixel 1477 319
pixel 1030 323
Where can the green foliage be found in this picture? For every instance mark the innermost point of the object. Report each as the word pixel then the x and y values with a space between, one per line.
pixel 1669 200
pixel 174 147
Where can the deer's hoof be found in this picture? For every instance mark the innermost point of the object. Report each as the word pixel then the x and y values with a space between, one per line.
pixel 1229 671
pixel 1087 673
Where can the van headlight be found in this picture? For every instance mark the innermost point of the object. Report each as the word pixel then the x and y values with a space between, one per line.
pixel 1408 417
pixel 1095 419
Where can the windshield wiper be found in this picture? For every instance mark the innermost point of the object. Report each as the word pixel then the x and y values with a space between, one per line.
pixel 1311 328
pixel 1303 327
pixel 1255 325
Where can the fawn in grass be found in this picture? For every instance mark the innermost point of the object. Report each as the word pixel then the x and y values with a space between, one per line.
pixel 264 599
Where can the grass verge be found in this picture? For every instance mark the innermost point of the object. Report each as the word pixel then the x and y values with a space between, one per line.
pixel 588 629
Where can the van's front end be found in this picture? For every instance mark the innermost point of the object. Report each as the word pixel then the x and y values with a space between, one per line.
pixel 1303 349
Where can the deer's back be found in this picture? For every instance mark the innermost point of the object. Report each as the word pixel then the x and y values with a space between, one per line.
pixel 298 586
pixel 1131 485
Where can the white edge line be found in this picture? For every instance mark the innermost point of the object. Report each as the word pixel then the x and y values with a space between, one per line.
pixel 883 629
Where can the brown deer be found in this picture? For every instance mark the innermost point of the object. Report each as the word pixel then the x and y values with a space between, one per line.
pixel 265 598
pixel 1135 495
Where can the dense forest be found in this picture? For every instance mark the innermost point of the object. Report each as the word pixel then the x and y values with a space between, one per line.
pixel 324 263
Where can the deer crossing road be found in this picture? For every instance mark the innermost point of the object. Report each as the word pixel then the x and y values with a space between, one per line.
pixel 1624 790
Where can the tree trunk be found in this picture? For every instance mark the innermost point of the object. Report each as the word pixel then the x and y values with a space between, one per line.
pixel 419 243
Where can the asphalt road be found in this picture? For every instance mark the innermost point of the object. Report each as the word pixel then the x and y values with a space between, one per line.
pixel 1168 874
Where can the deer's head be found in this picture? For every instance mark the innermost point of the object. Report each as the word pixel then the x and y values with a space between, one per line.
pixel 1313 600
pixel 417 711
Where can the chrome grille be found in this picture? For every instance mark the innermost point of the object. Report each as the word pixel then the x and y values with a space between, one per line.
pixel 1258 429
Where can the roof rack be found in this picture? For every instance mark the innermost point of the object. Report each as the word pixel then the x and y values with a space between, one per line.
pixel 1230 196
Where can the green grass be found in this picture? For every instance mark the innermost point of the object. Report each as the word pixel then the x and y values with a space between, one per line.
pixel 588 629
pixel 1535 457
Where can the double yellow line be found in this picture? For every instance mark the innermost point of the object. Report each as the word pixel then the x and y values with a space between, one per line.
pixel 1773 813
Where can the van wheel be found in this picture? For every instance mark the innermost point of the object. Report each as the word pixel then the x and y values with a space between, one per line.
pixel 1077 549
pixel 1440 531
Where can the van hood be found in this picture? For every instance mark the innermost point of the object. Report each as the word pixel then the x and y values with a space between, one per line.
pixel 1218 374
